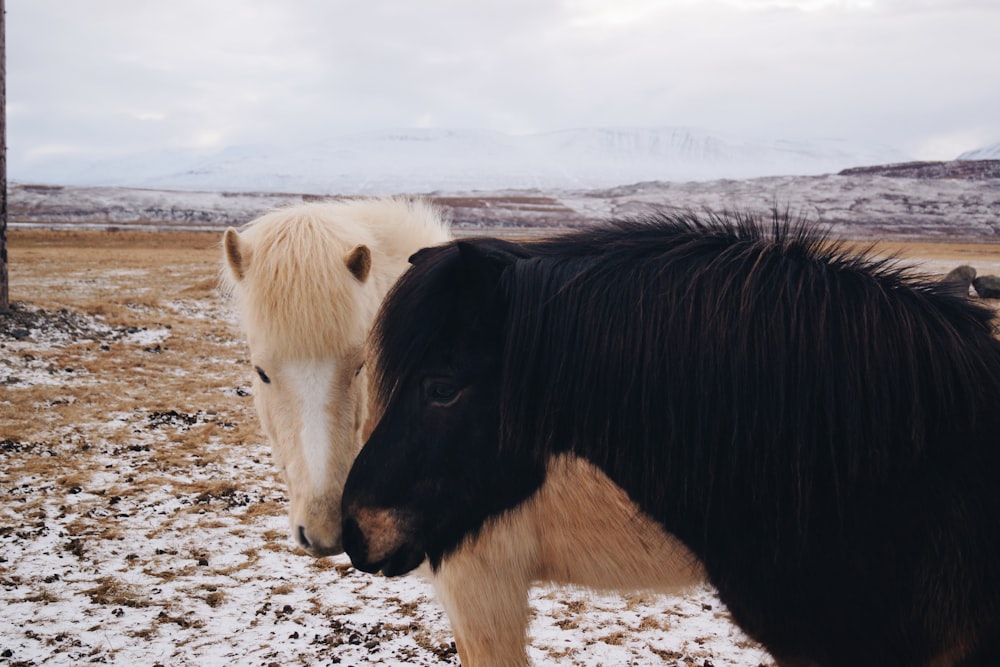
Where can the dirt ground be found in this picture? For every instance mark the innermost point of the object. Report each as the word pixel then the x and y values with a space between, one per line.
pixel 140 519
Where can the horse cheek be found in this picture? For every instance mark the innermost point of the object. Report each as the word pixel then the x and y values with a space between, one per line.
pixel 266 416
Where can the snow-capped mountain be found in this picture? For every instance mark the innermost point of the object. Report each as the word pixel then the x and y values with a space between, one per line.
pixel 991 152
pixel 461 160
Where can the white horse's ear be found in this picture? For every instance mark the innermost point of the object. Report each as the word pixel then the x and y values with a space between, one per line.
pixel 234 253
pixel 359 262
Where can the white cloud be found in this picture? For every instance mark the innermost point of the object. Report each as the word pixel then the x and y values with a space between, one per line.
pixel 128 75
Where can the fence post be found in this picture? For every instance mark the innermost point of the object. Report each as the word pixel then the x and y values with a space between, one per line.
pixel 4 286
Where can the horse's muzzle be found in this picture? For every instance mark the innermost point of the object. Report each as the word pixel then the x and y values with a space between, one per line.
pixel 404 558
pixel 315 547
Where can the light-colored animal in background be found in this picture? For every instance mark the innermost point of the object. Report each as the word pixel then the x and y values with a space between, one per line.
pixel 307 281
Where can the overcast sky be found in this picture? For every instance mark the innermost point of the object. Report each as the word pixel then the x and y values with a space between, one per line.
pixel 105 77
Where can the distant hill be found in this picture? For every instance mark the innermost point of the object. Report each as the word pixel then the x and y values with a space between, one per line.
pixel 927 201
pixel 415 160
pixel 991 152
pixel 965 168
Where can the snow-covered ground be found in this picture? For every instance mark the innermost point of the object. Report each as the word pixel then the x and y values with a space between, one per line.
pixel 141 522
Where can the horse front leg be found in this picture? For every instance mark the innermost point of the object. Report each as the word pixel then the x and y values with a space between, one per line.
pixel 483 588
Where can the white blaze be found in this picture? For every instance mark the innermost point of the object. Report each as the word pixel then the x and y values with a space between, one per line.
pixel 312 382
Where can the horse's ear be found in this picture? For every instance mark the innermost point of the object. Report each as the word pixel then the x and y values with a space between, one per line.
pixel 492 252
pixel 234 253
pixel 484 262
pixel 426 253
pixel 359 262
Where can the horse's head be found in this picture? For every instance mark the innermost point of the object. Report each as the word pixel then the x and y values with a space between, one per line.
pixel 433 470
pixel 306 307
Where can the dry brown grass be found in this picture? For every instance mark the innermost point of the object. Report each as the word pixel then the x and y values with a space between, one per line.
pixel 150 416
pixel 139 280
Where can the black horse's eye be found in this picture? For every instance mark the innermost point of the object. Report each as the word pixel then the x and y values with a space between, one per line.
pixel 441 392
pixel 262 375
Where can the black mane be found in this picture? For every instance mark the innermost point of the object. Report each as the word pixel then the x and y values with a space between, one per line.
pixel 764 336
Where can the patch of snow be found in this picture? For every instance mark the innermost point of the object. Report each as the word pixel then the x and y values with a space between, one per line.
pixel 147 337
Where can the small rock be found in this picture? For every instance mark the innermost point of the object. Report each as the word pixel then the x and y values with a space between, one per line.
pixel 987 287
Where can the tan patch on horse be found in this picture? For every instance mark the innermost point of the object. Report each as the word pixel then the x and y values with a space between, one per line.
pixel 590 533
pixel 580 528
pixel 382 531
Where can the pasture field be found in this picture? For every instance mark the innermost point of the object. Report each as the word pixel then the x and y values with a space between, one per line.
pixel 141 522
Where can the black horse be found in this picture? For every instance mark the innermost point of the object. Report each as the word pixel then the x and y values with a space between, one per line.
pixel 819 427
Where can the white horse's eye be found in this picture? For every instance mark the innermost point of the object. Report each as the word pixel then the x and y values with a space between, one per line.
pixel 262 375
pixel 358 371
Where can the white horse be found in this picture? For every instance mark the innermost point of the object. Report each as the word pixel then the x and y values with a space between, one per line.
pixel 307 281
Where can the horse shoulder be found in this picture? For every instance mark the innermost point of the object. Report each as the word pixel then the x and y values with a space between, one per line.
pixel 579 528
pixel 592 534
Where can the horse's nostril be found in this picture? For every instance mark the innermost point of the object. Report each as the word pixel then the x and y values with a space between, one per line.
pixel 303 540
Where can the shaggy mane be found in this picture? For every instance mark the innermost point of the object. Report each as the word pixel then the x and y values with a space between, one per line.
pixel 424 294
pixel 764 336
pixel 297 298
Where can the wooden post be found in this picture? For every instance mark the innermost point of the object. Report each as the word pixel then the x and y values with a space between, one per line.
pixel 4 287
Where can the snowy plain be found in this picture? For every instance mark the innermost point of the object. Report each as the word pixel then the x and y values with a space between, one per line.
pixel 141 522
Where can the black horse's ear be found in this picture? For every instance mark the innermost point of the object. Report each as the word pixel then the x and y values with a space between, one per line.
pixel 484 261
pixel 489 252
pixel 426 253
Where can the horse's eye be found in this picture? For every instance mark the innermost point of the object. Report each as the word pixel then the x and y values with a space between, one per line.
pixel 441 393
pixel 358 371
pixel 262 375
